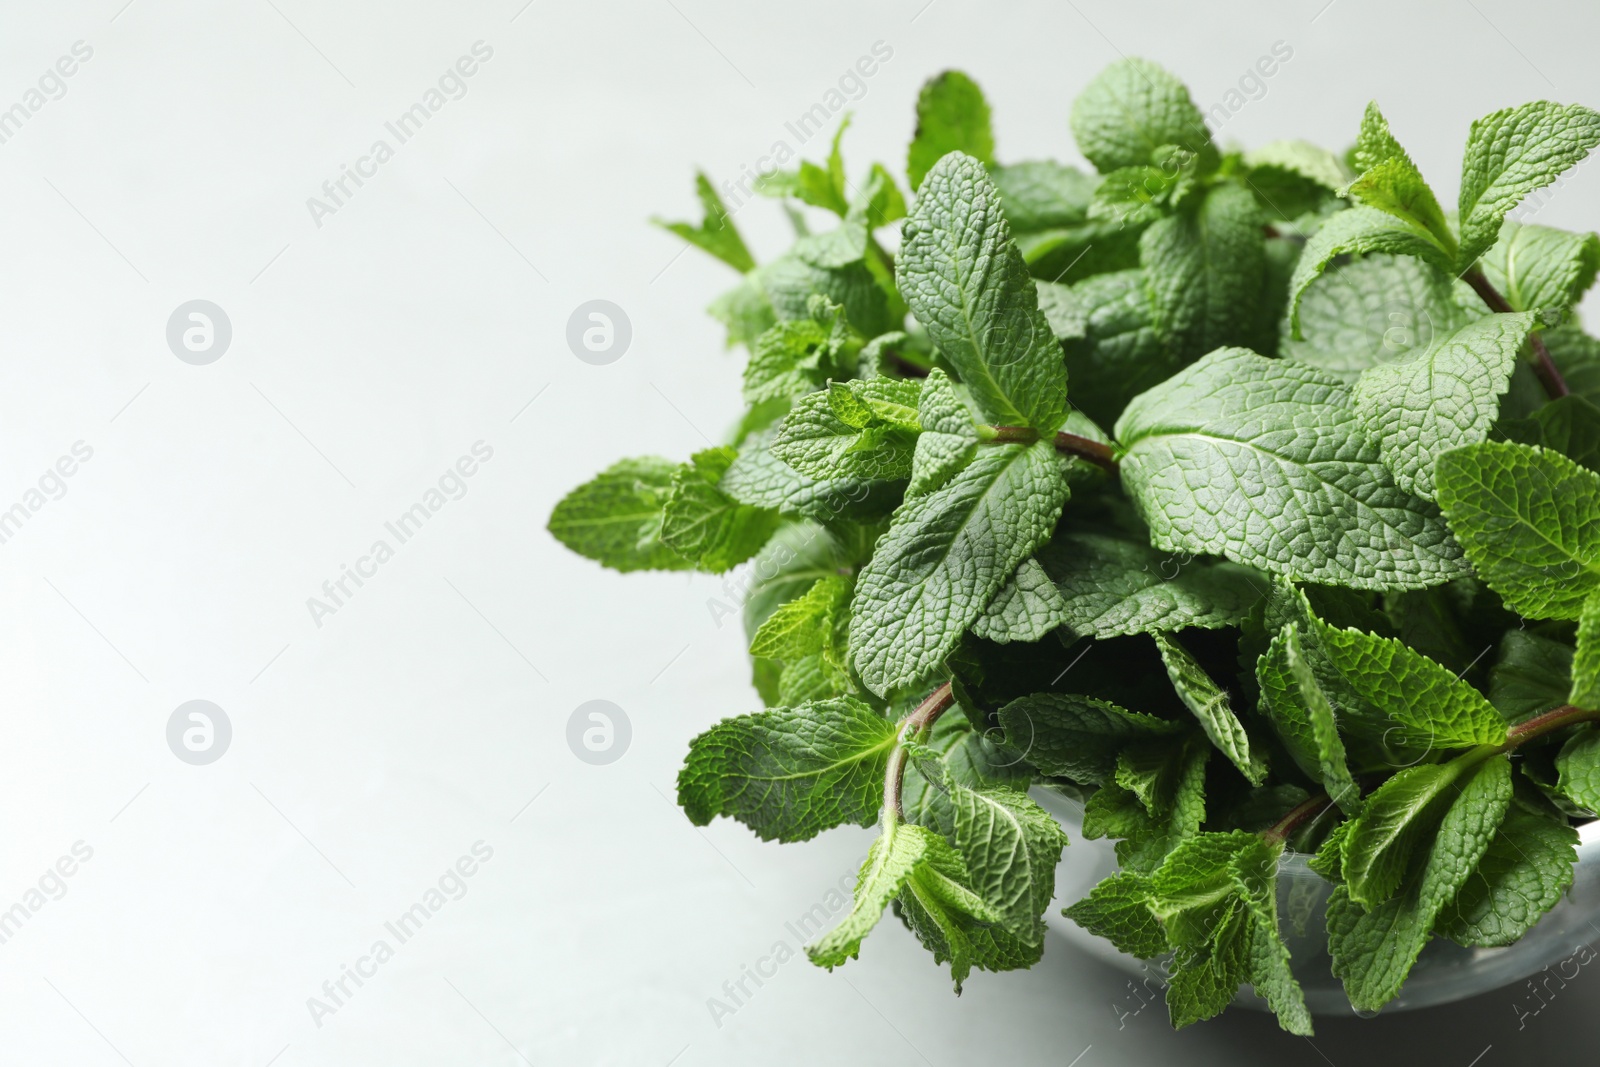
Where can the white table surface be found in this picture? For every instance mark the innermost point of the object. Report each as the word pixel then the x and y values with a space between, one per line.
pixel 371 751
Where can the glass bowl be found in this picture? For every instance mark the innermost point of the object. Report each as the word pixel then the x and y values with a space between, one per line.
pixel 1444 972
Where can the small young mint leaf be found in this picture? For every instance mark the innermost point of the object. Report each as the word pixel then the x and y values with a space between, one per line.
pixel 949 436
pixel 702 523
pixel 802 627
pixel 790 773
pixel 1391 183
pixel 716 234
pixel 1529 520
pixel 841 433
pixel 1211 706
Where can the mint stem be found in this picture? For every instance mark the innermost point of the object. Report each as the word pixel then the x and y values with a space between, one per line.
pixel 1071 444
pixel 1555 386
pixel 938 702
pixel 1549 722
pixel 1279 831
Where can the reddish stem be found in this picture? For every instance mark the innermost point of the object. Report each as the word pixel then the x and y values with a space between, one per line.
pixel 938 702
pixel 1555 386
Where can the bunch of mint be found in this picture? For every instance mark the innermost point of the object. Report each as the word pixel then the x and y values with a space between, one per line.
pixel 1249 497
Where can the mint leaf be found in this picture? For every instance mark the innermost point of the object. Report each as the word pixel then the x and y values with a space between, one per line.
pixel 1359 231
pixel 1531 675
pixel 702 523
pixel 1373 950
pixel 1375 309
pixel 812 268
pixel 1011 847
pixel 1025 609
pixel 1578 764
pixel 1429 401
pixel 1586 660
pixel 1303 717
pixel 965 281
pixel 949 436
pixel 1211 706
pixel 796 356
pixel 1113 586
pixel 1309 161
pixel 803 626
pixel 1122 352
pixel 1118 812
pixel 616 518
pixel 744 310
pixel 1422 698
pixel 790 773
pixel 762 480
pixel 1130 110
pixel 716 234
pixel 1262 461
pixel 1529 520
pixel 1206 272
pixel 1041 195
pixel 954 923
pixel 1523 874
pixel 952 116
pixel 889 863
pixel 955 755
pixel 1395 818
pixel 1391 182
pixel 842 432
pixel 945 557
pixel 1510 153
pixel 1076 737
pixel 1536 267
pixel 1116 910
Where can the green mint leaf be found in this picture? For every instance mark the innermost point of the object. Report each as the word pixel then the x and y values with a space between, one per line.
pixel 1211 706
pixel 1529 520
pixel 810 679
pixel 790 773
pixel 762 480
pixel 1042 195
pixel 1530 676
pixel 1578 764
pixel 716 234
pixel 1026 608
pixel 1571 425
pixel 1421 698
pixel 878 202
pixel 1138 196
pixel 967 284
pixel 1303 716
pixel 1068 318
pixel 889 863
pixel 702 523
pixel 1077 737
pixel 1373 310
pixel 1586 660
pixel 952 116
pixel 1510 154
pixel 796 356
pixel 945 557
pixel 1373 950
pixel 842 432
pixel 1447 395
pixel 1117 812
pixel 1536 267
pixel 949 436
pixel 1122 353
pixel 954 923
pixel 802 627
pixel 1011 847
pixel 615 519
pixel 1396 817
pixel 1523 874
pixel 1256 870
pixel 1116 910
pixel 1113 586
pixel 1359 231
pixel 963 757
pixel 1263 461
pixel 811 269
pixel 1311 162
pixel 1130 110
pixel 1206 272
pixel 1391 182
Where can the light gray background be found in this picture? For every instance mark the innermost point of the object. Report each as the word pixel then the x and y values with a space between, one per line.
pixel 371 352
